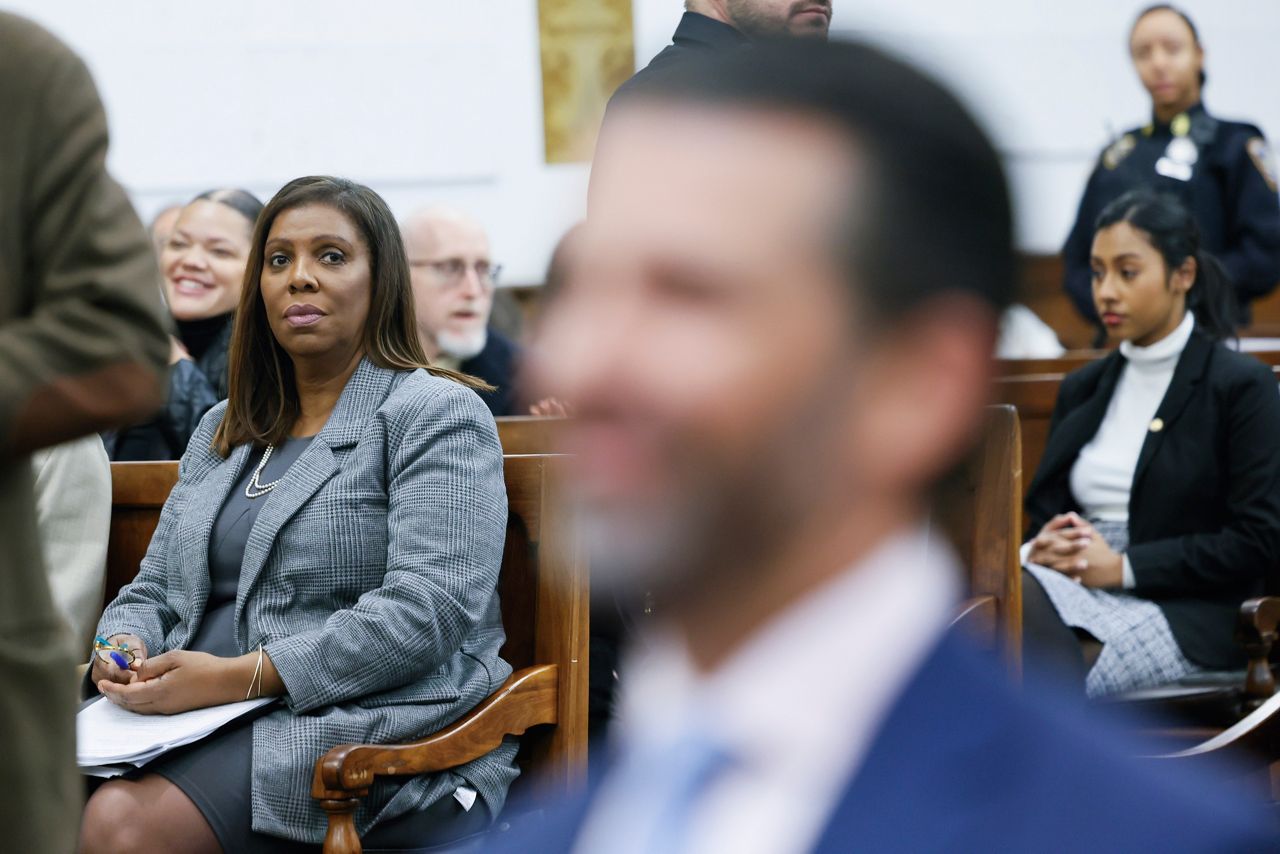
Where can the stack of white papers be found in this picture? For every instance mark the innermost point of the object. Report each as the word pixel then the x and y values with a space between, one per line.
pixel 111 741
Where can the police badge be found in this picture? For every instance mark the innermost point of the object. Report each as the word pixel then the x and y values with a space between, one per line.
pixel 1182 150
pixel 1180 155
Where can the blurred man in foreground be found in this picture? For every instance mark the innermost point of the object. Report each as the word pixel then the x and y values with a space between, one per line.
pixel 453 283
pixel 82 348
pixel 770 378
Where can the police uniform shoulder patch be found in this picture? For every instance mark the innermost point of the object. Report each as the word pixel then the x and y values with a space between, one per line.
pixel 1118 151
pixel 1264 159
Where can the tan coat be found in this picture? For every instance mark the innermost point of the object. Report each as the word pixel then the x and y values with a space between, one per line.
pixel 73 518
pixel 82 348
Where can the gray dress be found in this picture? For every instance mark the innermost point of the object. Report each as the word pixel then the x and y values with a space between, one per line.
pixel 215 773
pixel 216 634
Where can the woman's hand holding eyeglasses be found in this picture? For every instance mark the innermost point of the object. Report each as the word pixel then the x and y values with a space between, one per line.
pixel 117 649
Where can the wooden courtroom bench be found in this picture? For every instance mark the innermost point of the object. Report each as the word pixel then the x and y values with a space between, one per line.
pixel 1064 364
pixel 1033 396
pixel 980 509
pixel 1265 350
pixel 543 588
pixel 528 434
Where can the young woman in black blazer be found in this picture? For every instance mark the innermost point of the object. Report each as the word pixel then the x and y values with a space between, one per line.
pixel 1156 506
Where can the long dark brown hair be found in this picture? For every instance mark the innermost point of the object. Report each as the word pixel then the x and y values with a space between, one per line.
pixel 1170 227
pixel 262 399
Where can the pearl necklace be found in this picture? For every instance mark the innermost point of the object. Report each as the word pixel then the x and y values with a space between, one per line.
pixel 255 488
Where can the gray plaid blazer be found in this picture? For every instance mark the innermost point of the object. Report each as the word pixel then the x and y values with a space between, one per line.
pixel 370 579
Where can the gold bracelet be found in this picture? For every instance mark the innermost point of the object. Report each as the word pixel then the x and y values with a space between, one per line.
pixel 257 676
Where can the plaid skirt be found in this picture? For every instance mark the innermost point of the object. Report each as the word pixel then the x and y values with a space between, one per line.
pixel 1138 647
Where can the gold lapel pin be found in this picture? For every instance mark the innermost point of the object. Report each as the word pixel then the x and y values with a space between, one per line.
pixel 1157 424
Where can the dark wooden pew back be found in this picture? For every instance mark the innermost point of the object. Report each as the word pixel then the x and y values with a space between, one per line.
pixel 980 509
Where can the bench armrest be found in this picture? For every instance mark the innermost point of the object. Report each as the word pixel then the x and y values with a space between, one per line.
pixel 344 774
pixel 1256 632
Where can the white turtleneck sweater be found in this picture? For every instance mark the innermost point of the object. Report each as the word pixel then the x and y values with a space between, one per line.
pixel 1102 476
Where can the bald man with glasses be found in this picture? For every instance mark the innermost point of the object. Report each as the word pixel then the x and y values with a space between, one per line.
pixel 453 279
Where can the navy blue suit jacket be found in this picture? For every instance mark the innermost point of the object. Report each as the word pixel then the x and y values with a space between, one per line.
pixel 965 763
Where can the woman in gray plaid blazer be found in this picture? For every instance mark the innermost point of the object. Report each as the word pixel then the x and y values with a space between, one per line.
pixel 334 540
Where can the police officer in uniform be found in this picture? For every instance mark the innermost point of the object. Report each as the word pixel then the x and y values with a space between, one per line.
pixel 1222 170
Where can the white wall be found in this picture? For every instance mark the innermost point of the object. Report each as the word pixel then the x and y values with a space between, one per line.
pixel 428 100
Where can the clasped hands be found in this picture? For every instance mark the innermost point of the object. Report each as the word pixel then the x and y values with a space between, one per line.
pixel 1070 545
pixel 173 682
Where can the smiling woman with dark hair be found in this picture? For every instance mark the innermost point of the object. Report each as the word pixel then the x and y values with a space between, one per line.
pixel 202 261
pixel 334 540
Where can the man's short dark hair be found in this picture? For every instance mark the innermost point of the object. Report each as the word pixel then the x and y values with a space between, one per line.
pixel 935 217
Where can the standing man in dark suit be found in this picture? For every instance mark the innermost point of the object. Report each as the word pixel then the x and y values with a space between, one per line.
pixel 770 378
pixel 82 349
pixel 453 281
pixel 711 25
pixel 714 25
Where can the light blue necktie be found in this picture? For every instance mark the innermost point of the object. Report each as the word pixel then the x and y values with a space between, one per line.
pixel 670 782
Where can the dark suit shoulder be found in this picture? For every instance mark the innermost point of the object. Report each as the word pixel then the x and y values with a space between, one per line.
pixel 501 347
pixel 1127 797
pixel 669 59
pixel 496 365
pixel 695 36
pixel 1229 131
pixel 1080 384
pixel 1036 765
pixel 1232 365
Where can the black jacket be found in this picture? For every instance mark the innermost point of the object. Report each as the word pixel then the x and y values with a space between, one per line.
pixel 1204 511
pixel 496 365
pixel 1220 169
pixel 194 387
pixel 696 35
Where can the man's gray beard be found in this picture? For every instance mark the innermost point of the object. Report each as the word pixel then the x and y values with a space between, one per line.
pixel 462 347
pixel 715 529
pixel 718 527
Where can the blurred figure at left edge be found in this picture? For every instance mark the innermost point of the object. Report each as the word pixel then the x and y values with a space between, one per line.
pixel 82 349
